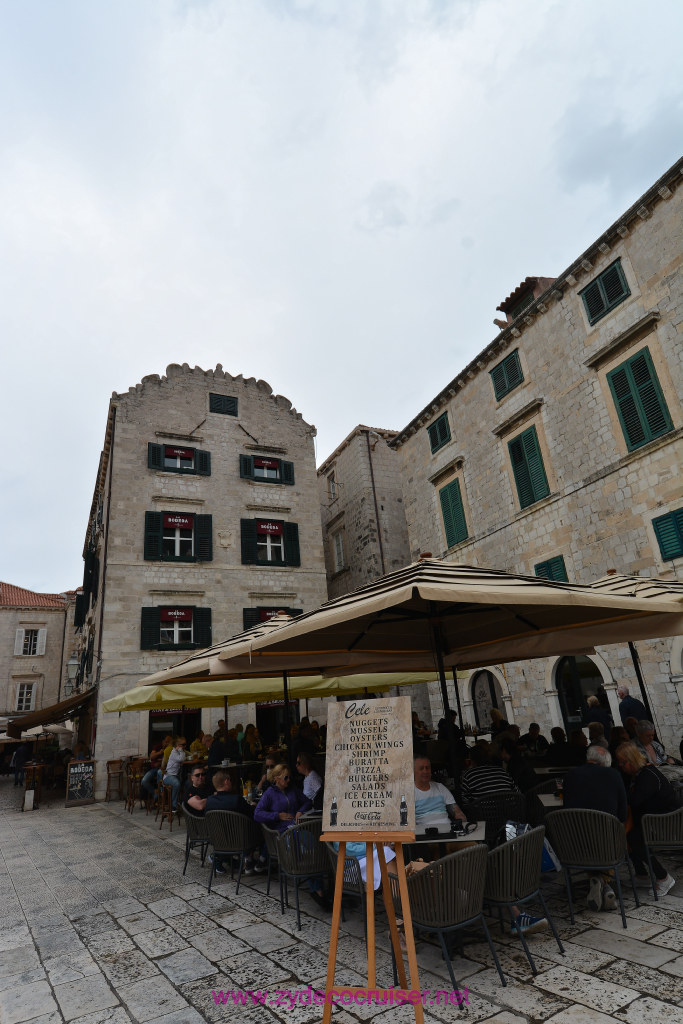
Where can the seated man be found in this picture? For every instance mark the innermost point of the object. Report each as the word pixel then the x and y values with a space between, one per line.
pixel 225 799
pixel 597 786
pixel 435 806
pixel 533 744
pixel 173 765
pixel 199 790
pixel 312 781
pixel 485 776
pixel 152 777
pixel 200 746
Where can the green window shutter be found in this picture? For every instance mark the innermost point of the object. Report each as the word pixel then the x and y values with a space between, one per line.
pixel 153 521
pixel 250 617
pixel 594 302
pixel 155 456
pixel 79 611
pixel 290 533
pixel 669 534
pixel 507 375
pixel 287 472
pixel 605 292
pixel 201 627
pixel 247 467
pixel 224 404
pixel 453 513
pixel 294 612
pixel 202 462
pixel 439 433
pixel 203 539
pixel 528 469
pixel 552 569
pixel 150 629
pixel 640 403
pixel 248 531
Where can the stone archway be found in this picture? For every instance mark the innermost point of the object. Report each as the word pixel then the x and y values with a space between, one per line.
pixel 486 692
pixel 577 678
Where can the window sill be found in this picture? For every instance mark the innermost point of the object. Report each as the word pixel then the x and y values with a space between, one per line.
pixel 340 572
pixel 541 503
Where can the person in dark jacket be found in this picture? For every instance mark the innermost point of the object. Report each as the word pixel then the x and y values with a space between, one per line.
pixel 224 799
pixel 533 743
pixel 630 707
pixel 649 793
pixel 521 771
pixel 21 756
pixel 595 713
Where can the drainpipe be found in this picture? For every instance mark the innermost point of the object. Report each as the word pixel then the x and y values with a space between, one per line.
pixel 374 498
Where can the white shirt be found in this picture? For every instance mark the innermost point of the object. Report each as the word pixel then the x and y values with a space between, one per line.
pixel 312 783
pixel 430 806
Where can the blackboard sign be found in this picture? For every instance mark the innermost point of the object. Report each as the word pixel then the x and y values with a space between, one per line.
pixel 80 783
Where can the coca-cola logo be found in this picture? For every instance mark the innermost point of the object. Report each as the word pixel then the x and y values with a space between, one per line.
pixel 367 816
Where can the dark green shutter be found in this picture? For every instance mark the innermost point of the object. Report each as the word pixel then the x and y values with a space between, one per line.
pixel 202 462
pixel 79 611
pixel 248 530
pixel 605 292
pixel 290 532
pixel 250 617
pixel 552 569
pixel 247 467
pixel 439 432
pixel 669 534
pixel 453 513
pixel 594 302
pixel 150 629
pixel 201 627
pixel 294 612
pixel 155 456
pixel 203 540
pixel 507 375
pixel 287 472
pixel 528 469
pixel 637 394
pixel 224 404
pixel 153 534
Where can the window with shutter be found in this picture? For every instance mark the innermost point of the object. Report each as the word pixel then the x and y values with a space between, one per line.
pixel 25 694
pixel 507 375
pixel 266 470
pixel 552 569
pixel 269 541
pixel 255 616
pixel 30 643
pixel 605 292
pixel 171 458
pixel 669 533
pixel 528 468
pixel 178 537
pixel 175 628
pixel 439 433
pixel 80 611
pixel 453 513
pixel 224 404
pixel 640 403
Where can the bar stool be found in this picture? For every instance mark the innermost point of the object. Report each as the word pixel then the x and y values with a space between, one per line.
pixel 166 805
pixel 134 771
pixel 114 779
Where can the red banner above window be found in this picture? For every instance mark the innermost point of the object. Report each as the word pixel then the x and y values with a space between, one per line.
pixel 268 526
pixel 173 521
pixel 266 463
pixel 267 613
pixel 176 615
pixel 183 453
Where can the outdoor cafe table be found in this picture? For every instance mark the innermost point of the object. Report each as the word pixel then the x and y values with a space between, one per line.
pixel 551 770
pixel 550 800
pixel 477 835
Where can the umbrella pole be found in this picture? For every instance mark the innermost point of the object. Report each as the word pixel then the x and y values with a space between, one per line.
pixel 436 640
pixel 288 738
pixel 639 676
pixel 457 697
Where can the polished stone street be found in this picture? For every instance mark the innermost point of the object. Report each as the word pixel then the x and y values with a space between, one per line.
pixel 99 925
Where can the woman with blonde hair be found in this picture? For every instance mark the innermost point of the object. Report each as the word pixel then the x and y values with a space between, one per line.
pixel 648 793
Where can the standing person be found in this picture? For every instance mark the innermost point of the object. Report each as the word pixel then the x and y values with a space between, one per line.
pixel 19 760
pixel 173 766
pixel 595 713
pixel 218 750
pixel 498 723
pixel 649 793
pixel 630 707
pixel 312 781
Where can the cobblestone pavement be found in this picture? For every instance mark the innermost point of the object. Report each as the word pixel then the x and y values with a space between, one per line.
pixel 99 925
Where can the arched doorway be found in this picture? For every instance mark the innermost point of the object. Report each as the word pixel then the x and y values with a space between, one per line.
pixel 486 694
pixel 576 680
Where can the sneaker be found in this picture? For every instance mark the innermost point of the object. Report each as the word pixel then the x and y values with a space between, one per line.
pixel 248 866
pixel 664 884
pixel 609 899
pixel 218 868
pixel 595 893
pixel 260 866
pixel 527 925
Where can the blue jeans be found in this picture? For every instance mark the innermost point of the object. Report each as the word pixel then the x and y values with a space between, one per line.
pixel 174 782
pixel 150 780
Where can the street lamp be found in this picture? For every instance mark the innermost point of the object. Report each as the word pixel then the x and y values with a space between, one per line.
pixel 72 667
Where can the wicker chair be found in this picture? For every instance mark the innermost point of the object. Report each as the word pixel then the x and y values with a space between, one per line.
pixel 231 835
pixel 591 841
pixel 495 809
pixel 271 837
pixel 513 877
pixel 114 779
pixel 301 855
pixel 446 896
pixel 197 834
pixel 661 832
pixel 352 882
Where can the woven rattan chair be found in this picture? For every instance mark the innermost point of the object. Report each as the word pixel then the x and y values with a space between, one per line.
pixel 495 809
pixel 513 877
pixel 446 896
pixel 271 837
pixel 352 883
pixel 301 855
pixel 661 832
pixel 197 834
pixel 114 779
pixel 231 835
pixel 590 841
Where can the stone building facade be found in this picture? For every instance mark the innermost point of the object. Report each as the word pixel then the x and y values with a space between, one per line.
pixel 204 521
pixel 557 452
pixel 36 641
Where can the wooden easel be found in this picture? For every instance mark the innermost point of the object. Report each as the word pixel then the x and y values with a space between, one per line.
pixel 371 839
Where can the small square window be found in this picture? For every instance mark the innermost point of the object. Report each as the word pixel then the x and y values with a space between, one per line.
pixel 669 533
pixel 608 290
pixel 224 404
pixel 507 375
pixel 30 642
pixel 552 569
pixel 25 697
pixel 439 433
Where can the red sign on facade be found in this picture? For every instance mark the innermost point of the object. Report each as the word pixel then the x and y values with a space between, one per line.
pixel 267 613
pixel 176 615
pixel 174 521
pixel 182 453
pixel 266 463
pixel 268 526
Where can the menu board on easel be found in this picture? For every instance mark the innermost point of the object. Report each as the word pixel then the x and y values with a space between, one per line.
pixel 80 783
pixel 369 771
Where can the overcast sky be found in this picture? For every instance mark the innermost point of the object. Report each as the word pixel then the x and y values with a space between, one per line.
pixel 333 195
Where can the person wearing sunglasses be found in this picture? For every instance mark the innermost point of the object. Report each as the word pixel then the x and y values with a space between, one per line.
pixel 199 790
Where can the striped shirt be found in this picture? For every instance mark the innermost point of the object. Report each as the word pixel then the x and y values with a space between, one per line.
pixel 485 779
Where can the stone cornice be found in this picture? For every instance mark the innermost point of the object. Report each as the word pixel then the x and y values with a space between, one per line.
pixel 642 326
pixel 517 417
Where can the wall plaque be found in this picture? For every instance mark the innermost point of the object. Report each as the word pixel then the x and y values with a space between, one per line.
pixel 369 771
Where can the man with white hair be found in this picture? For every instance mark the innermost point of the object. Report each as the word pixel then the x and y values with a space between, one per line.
pixel 597 786
pixel 629 707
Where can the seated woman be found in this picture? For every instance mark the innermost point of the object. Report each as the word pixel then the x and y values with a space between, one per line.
pixel 649 793
pixel 251 744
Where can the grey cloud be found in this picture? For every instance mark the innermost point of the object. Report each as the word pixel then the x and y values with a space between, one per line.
pixel 384 208
pixel 443 211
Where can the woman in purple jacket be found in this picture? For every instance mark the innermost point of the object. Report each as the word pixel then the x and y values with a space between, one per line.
pixel 280 807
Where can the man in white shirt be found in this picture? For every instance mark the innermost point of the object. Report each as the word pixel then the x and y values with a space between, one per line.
pixel 435 806
pixel 175 760
pixel 312 781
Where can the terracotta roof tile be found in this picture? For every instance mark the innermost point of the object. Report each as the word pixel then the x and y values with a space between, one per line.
pixel 18 597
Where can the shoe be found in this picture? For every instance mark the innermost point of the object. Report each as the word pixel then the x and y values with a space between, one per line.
pixel 218 869
pixel 322 901
pixel 527 925
pixel 609 899
pixel 664 884
pixel 595 893
pixel 260 866
pixel 248 868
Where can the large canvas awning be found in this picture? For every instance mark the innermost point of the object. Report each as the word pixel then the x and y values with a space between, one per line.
pixel 52 714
